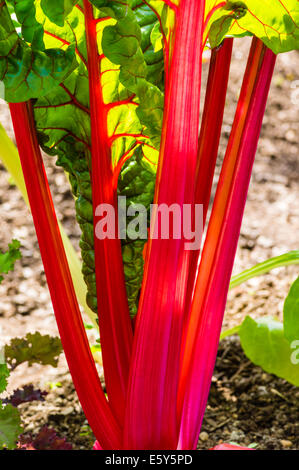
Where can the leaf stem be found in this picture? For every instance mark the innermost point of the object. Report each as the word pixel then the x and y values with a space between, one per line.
pixel 114 318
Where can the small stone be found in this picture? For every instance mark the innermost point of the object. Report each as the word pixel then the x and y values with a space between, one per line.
pixel 285 443
pixel 67 411
pixel 262 391
pixel 30 427
pixel 204 436
pixel 237 435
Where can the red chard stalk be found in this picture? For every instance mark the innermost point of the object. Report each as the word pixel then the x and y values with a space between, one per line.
pixel 209 139
pixel 151 421
pixel 68 316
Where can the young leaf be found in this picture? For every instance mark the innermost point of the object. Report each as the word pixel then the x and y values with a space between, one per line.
pixel 34 349
pixel 8 259
pixel 286 259
pixel 264 343
pixel 291 313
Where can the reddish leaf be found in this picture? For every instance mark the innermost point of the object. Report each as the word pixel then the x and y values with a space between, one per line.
pixel 25 395
pixel 46 439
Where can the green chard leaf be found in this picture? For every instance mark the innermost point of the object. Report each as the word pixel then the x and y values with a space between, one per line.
pixel 63 123
pixel 275 22
pixel 8 259
pixel 27 69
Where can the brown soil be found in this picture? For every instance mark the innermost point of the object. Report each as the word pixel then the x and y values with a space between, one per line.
pixel 246 405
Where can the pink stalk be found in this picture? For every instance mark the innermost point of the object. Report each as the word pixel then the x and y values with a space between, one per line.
pixel 151 421
pixel 219 250
pixel 68 316
pixel 230 447
pixel 114 318
pixel 209 138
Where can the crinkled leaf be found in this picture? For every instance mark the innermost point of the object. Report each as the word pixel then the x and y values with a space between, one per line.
pixel 25 395
pixel 264 343
pixel 122 45
pixel 10 426
pixel 34 349
pixel 153 55
pixel 275 22
pixel 63 123
pixel 291 314
pixel 8 259
pixel 137 184
pixel 26 71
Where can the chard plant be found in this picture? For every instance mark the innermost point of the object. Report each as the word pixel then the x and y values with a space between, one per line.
pixel 112 88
